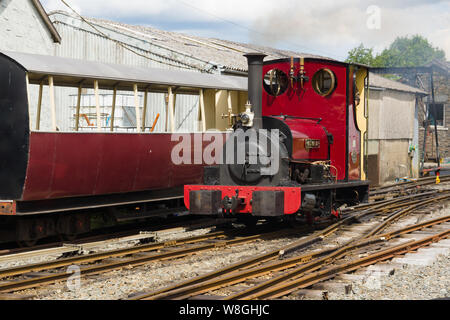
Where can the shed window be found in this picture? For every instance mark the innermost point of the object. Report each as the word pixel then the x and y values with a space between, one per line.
pixel 437 109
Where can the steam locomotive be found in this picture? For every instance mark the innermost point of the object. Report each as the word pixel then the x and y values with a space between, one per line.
pixel 299 149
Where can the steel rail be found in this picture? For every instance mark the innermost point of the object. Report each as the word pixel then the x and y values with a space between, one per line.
pixel 93 257
pixel 151 247
pixel 106 254
pixel 416 181
pixel 326 256
pixel 148 257
pixel 309 240
pixel 368 237
pixel 136 261
pixel 257 260
pixel 408 185
pixel 394 200
pixel 118 231
pixel 403 212
pixel 338 253
pixel 310 279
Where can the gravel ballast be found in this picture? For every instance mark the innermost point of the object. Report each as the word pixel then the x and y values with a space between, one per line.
pixel 407 283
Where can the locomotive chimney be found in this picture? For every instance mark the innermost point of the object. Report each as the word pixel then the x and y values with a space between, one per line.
pixel 255 84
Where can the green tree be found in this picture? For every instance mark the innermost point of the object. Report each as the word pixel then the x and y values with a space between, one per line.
pixel 361 55
pixel 409 52
pixel 403 52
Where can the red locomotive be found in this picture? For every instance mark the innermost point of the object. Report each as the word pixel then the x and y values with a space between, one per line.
pixel 316 107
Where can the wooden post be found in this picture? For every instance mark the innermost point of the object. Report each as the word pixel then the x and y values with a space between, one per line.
pixel 77 113
pixel 166 104
pixel 171 109
pixel 144 111
pixel 202 109
pixel 27 80
pixel 39 106
pixel 97 105
pixel 52 102
pixel 113 109
pixel 136 104
pixel 230 109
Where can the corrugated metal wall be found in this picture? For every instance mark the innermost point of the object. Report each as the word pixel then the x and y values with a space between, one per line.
pixel 80 44
pixel 186 112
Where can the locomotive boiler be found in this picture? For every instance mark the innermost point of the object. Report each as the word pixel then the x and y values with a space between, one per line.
pixel 298 149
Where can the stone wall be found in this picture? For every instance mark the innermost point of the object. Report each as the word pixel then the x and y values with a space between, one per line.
pixel 442 95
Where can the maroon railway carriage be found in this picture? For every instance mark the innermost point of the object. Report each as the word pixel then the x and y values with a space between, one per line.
pixel 319 108
pixel 47 177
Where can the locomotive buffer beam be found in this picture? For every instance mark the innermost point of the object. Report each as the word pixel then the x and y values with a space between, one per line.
pixel 264 203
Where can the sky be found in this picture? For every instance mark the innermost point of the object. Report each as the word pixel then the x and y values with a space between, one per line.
pixel 324 27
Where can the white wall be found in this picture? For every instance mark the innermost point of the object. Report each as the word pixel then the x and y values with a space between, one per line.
pixel 391 115
pixel 392 129
pixel 22 28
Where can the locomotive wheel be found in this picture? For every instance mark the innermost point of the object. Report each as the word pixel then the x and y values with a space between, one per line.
pixel 71 225
pixel 291 221
pixel 68 237
pixel 249 221
pixel 27 243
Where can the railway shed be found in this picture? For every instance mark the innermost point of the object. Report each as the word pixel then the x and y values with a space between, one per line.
pixel 393 141
pixel 434 115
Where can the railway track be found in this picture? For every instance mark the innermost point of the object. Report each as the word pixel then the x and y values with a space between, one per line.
pixel 403 188
pixel 14 279
pixel 143 233
pixel 123 231
pixel 328 267
pixel 35 275
pixel 113 232
pixel 304 264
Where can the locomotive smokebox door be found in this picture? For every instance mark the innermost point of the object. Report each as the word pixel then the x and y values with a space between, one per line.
pixel 268 203
pixel 206 202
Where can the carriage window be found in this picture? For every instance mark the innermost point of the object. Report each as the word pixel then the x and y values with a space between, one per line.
pixel 324 82
pixel 275 82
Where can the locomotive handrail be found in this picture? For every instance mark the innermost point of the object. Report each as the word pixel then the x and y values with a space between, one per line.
pixel 319 120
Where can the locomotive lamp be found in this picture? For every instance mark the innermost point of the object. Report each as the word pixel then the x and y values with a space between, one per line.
pixel 245 117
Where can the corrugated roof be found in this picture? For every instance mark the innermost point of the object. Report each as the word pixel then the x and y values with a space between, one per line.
pixel 224 53
pixel 378 81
